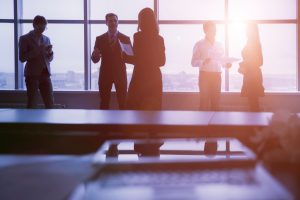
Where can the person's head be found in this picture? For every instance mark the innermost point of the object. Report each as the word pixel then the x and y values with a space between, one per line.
pixel 252 32
pixel 147 21
pixel 210 30
pixel 111 22
pixel 39 24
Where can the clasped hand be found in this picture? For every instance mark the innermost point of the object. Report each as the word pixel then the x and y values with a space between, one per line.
pixel 96 54
pixel 45 50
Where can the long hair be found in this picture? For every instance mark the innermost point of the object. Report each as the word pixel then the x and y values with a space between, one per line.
pixel 147 22
pixel 253 33
pixel 253 42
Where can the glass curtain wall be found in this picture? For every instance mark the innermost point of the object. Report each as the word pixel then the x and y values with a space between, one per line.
pixel 73 26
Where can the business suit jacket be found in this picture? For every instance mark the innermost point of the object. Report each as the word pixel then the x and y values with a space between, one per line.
pixel 112 67
pixel 145 89
pixel 29 52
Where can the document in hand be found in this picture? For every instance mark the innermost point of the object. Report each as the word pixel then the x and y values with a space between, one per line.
pixel 228 60
pixel 126 48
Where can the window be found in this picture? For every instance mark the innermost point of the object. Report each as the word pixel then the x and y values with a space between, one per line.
pixel 126 10
pixel 180 23
pixel 191 9
pixel 7 70
pixel 6 9
pixel 54 9
pixel 68 63
pixel 178 74
pixel 279 52
pixel 262 9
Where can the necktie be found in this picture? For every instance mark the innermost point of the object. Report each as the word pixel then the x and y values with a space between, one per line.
pixel 112 41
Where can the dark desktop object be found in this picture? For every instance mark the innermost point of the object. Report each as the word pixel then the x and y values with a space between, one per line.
pixel 178 169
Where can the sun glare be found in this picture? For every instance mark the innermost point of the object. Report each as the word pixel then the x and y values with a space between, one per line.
pixel 237 37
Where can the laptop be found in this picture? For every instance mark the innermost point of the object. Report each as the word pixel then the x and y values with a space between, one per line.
pixel 186 169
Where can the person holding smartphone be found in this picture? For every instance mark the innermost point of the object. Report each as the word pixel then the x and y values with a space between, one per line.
pixel 36 51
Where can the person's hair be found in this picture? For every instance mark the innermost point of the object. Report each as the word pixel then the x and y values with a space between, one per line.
pixel 253 33
pixel 39 20
pixel 147 21
pixel 208 25
pixel 110 15
pixel 253 42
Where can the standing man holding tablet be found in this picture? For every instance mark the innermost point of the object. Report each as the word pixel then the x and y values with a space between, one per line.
pixel 112 69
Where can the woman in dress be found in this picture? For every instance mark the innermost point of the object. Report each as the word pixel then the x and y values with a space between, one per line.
pixel 145 89
pixel 250 68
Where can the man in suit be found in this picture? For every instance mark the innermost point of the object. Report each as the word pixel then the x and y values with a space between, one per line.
pixel 112 68
pixel 36 51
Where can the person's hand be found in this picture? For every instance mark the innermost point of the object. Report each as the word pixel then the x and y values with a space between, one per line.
pixel 206 61
pixel 49 49
pixel 123 55
pixel 42 49
pixel 228 65
pixel 96 54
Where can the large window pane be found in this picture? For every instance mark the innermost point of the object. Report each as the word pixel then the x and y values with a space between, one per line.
pixel 178 74
pixel 125 9
pixel 7 77
pixel 54 9
pixel 191 9
pixel 280 60
pixel 237 41
pixel 68 63
pixel 99 29
pixel 6 9
pixel 262 9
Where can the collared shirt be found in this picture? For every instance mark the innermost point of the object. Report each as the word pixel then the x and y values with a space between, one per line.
pixel 205 50
pixel 113 37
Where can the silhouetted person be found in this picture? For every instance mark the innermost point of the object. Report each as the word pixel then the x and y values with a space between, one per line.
pixel 145 89
pixel 207 55
pixel 112 68
pixel 250 68
pixel 36 51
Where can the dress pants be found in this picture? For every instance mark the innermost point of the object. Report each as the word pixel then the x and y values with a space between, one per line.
pixel 105 87
pixel 210 90
pixel 42 84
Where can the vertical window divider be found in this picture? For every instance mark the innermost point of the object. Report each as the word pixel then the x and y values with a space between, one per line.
pixel 156 11
pixel 87 49
pixel 18 7
pixel 298 47
pixel 226 45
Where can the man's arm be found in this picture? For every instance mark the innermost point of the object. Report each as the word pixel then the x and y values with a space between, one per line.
pixel 196 59
pixel 96 55
pixel 127 58
pixel 49 51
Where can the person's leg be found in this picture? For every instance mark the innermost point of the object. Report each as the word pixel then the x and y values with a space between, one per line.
pixel 46 89
pixel 253 103
pixel 215 91
pixel 32 92
pixel 204 91
pixel 104 91
pixel 121 91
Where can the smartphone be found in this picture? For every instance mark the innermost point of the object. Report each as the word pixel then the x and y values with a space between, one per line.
pixel 49 47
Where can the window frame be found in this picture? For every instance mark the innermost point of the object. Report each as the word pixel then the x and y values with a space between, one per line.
pixel 86 22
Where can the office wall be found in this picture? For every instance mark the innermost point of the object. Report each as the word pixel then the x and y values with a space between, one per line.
pixel 171 101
